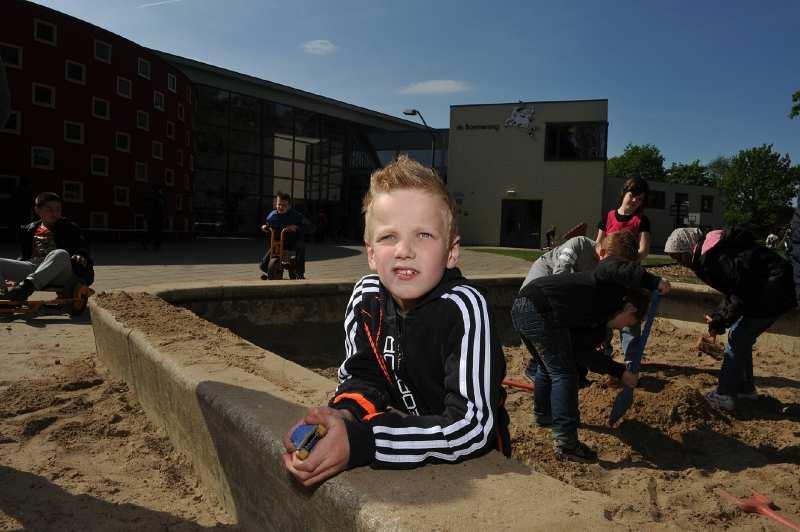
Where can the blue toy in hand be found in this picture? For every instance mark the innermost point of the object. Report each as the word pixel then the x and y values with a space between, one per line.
pixel 305 436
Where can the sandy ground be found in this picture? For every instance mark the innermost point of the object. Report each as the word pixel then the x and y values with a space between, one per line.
pixel 672 452
pixel 77 451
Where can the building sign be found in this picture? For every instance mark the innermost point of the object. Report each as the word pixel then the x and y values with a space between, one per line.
pixel 471 127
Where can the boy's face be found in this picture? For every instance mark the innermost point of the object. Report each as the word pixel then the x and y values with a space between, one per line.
pixel 49 212
pixel 625 318
pixel 409 248
pixel 281 205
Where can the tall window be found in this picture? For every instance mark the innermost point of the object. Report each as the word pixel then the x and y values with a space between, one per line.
pixel 170 130
pixel 122 196
pixel 44 95
pixel 158 100
pixel 124 87
pixel 143 120
pixel 42 157
pixel 72 192
pixel 11 55
pixel 44 32
pixel 172 82
pixel 656 199
pixel 158 150
pixel 101 108
pixel 140 171
pixel 99 165
pixel 706 203
pixel 75 72
pixel 102 51
pixel 143 68
pixel 575 141
pixel 73 132
pixel 169 177
pixel 122 141
pixel 13 124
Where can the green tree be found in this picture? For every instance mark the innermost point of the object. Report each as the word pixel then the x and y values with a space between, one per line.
pixel 643 161
pixel 795 105
pixel 693 173
pixel 717 169
pixel 758 188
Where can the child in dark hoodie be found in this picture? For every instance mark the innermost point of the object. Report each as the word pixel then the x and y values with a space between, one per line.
pixel 421 379
pixel 758 288
pixel 562 319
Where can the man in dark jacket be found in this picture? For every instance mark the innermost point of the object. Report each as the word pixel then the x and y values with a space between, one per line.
pixel 757 286
pixel 53 252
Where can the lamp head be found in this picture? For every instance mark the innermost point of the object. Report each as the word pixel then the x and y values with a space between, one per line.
pixel 410 112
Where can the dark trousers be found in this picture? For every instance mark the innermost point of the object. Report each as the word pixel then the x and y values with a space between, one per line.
pixel 736 375
pixel 556 380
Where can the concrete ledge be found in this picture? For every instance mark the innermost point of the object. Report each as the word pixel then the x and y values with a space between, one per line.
pixel 230 424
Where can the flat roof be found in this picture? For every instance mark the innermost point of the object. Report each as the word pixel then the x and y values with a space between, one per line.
pixel 286 89
pixel 527 103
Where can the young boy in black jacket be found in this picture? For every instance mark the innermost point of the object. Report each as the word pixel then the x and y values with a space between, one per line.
pixel 53 252
pixel 758 288
pixel 562 319
pixel 421 379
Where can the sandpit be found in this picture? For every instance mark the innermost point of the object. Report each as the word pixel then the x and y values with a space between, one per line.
pixel 663 464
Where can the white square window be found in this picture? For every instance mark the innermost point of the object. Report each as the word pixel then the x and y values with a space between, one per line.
pixel 187 185
pixel 158 100
pixel 172 82
pixel 13 124
pixel 102 51
pixel 44 95
pixel 178 203
pixel 8 186
pixel 75 72
pixel 101 108
pixel 122 196
pixel 72 192
pixel 188 139
pixel 124 87
pixel 140 172
pixel 143 68
pixel 98 220
pixel 169 177
pixel 139 222
pixel 45 32
pixel 143 120
pixel 99 165
pixel 73 132
pixel 122 141
pixel 11 55
pixel 170 130
pixel 158 150
pixel 42 157
pixel 179 157
pixel 180 111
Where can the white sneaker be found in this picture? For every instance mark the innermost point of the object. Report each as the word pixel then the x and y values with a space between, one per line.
pixel 721 401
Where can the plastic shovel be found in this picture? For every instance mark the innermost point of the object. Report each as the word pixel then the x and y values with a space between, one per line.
pixel 760 504
pixel 625 396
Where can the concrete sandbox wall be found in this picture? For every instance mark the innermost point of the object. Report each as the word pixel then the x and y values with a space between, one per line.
pixel 230 422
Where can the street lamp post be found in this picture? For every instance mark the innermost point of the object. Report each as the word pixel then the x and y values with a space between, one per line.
pixel 413 112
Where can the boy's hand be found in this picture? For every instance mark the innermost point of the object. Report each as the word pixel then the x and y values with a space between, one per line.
pixel 663 287
pixel 329 456
pixel 265 227
pixel 630 379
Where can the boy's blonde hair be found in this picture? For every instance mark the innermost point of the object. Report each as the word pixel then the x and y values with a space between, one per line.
pixel 405 173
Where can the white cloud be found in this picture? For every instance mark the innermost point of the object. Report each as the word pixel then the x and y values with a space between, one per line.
pixel 153 4
pixel 436 86
pixel 319 47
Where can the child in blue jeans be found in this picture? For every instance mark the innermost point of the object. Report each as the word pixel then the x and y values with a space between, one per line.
pixel 560 316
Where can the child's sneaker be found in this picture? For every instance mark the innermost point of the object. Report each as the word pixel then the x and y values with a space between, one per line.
pixel 579 452
pixel 721 401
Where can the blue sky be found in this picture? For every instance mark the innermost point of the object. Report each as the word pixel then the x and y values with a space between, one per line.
pixel 696 78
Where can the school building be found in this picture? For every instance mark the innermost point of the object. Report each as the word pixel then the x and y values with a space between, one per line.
pixel 118 129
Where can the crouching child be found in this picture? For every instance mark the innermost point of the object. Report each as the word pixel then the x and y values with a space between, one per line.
pixel 421 379
pixel 562 319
